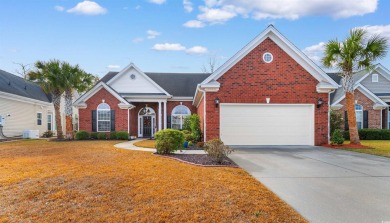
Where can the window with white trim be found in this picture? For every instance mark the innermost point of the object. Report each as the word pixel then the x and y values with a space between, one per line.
pixel 179 113
pixel 49 122
pixel 267 57
pixel 359 116
pixel 103 118
pixel 375 78
pixel 39 118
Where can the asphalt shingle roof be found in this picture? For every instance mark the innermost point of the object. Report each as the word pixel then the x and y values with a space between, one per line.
pixel 13 84
pixel 176 84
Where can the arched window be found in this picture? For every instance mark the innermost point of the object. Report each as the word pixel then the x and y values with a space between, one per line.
pixel 359 116
pixel 375 78
pixel 103 118
pixel 178 115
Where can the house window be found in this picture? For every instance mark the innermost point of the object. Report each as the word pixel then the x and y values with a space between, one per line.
pixel 359 116
pixel 103 118
pixel 267 57
pixel 49 122
pixel 375 78
pixel 179 113
pixel 39 118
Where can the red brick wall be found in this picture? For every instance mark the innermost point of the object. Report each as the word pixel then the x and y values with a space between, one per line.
pixel 374 116
pixel 200 111
pixel 85 115
pixel 283 80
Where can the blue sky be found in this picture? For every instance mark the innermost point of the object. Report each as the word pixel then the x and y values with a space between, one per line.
pixel 171 35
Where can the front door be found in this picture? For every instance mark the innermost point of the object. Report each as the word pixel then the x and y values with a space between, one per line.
pixel 147 126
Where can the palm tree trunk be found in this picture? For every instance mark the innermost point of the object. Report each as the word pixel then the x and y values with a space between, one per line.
pixel 353 130
pixel 68 114
pixel 57 110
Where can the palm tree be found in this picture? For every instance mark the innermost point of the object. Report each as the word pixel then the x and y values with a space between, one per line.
pixel 358 51
pixel 76 80
pixel 49 76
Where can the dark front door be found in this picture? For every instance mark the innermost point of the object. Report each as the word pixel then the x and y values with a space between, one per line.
pixel 147 128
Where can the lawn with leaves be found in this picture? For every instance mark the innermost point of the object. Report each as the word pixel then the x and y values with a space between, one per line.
pixel 86 181
pixel 379 147
pixel 149 143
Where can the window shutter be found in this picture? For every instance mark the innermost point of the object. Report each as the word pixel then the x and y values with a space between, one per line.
pixel 112 120
pixel 169 122
pixel 94 122
pixel 365 119
pixel 346 127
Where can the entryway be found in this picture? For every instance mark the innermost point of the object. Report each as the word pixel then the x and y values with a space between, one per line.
pixel 146 122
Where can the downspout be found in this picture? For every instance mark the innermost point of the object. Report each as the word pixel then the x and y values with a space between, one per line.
pixel 204 114
pixel 330 92
pixel 128 119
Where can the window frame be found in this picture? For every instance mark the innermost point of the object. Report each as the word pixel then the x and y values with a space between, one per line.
pixel 181 116
pixel 50 122
pixel 362 118
pixel 268 54
pixel 376 80
pixel 39 119
pixel 97 117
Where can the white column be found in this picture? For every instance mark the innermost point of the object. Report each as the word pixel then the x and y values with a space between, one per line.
pixel 159 115
pixel 165 114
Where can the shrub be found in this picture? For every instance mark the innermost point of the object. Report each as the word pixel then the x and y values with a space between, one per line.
pixel 94 135
pixel 336 121
pixel 187 135
pixel 371 134
pixel 47 134
pixel 112 135
pixel 337 137
pixel 102 135
pixel 190 143
pixel 217 150
pixel 187 123
pixel 200 144
pixel 169 140
pixel 122 135
pixel 196 133
pixel 82 135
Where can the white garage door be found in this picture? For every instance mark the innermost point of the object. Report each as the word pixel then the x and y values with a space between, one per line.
pixel 267 124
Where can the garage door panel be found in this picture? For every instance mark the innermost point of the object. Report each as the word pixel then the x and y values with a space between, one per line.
pixel 253 124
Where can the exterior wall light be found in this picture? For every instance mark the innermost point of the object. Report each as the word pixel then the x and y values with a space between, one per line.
pixel 216 102
pixel 320 102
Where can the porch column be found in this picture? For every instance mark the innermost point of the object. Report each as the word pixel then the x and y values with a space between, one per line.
pixel 159 115
pixel 165 114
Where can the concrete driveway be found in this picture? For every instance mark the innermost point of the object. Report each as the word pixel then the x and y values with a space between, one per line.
pixel 324 185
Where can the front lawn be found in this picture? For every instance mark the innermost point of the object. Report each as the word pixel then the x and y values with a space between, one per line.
pixel 148 143
pixel 92 181
pixel 379 147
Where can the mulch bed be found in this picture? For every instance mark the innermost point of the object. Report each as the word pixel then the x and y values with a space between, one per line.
pixel 347 146
pixel 194 147
pixel 199 159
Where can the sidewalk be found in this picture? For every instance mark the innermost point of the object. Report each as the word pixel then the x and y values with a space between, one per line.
pixel 130 146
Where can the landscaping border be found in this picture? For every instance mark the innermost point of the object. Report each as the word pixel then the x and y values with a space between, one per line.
pixel 195 164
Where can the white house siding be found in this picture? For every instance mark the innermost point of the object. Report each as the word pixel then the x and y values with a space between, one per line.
pixel 382 86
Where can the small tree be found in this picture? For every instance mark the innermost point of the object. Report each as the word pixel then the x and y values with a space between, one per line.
pixel 336 121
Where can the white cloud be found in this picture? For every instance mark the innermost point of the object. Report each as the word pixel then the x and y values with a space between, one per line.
pixel 187 4
pixel 382 30
pixel 197 50
pixel 220 11
pixel 194 24
pixel 152 34
pixel 138 40
pixel 315 52
pixel 158 2
pixel 59 8
pixel 88 8
pixel 168 47
pixel 113 67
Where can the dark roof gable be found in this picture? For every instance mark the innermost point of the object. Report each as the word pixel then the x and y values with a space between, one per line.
pixel 13 84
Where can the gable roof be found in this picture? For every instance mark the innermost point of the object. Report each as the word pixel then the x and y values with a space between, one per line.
pixel 272 33
pixel 176 84
pixel 15 85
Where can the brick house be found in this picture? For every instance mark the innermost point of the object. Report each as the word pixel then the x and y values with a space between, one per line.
pixel 268 93
pixel 372 98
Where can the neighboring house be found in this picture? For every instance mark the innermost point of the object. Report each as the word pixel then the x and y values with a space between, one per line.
pixel 372 98
pixel 268 93
pixel 25 106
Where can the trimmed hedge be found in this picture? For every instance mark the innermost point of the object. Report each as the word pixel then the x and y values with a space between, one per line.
pixel 102 135
pixel 94 135
pixel 371 134
pixel 82 135
pixel 122 135
pixel 169 140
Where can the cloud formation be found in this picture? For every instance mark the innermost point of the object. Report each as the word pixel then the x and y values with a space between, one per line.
pixel 88 8
pixel 194 24
pixel 152 34
pixel 382 30
pixel 158 2
pixel 315 52
pixel 178 47
pixel 187 4
pixel 197 50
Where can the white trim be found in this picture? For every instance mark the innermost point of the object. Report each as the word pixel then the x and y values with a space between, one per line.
pixel 146 100
pixel 97 116
pixel 40 118
pixel 329 117
pixel 376 79
pixel 283 43
pixel 388 118
pixel 131 65
pixel 266 54
pixel 159 116
pixel 362 119
pixel 51 121
pixel 80 102
pixel 23 99
pixel 385 74
pixel 181 120
pixel 181 99
pixel 165 115
pixel 204 116
pixel 141 97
